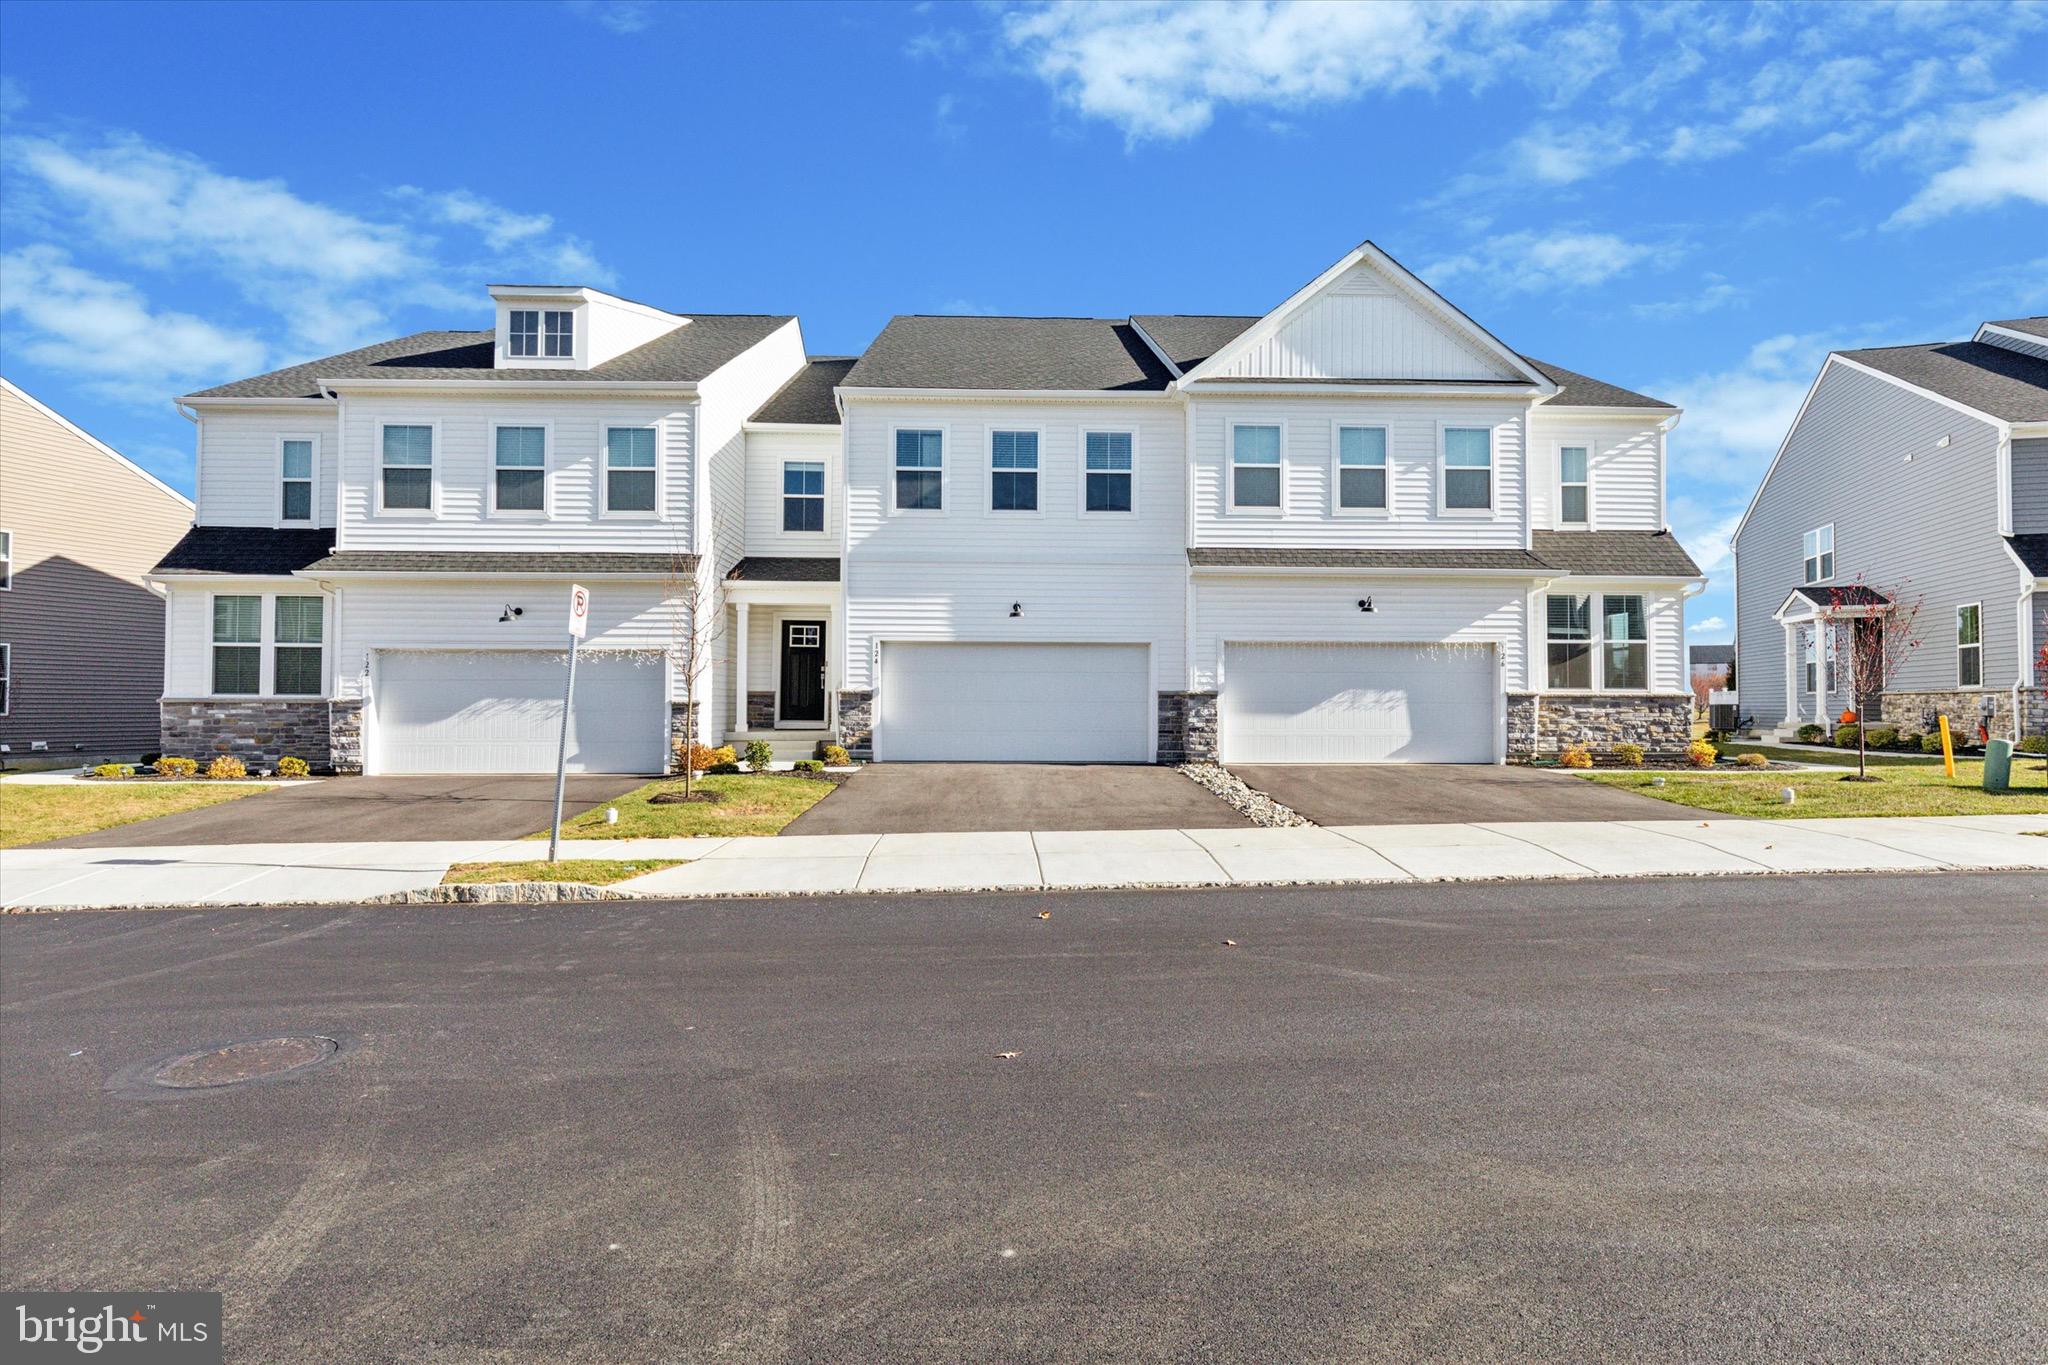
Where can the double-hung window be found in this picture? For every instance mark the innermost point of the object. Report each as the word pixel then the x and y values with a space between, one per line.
pixel 522 332
pixel 1818 549
pixel 295 479
pixel 1574 486
pixel 1013 471
pixel 1255 466
pixel 803 495
pixel 519 469
pixel 295 656
pixel 1571 641
pixel 1970 646
pixel 920 471
pixel 1107 472
pixel 1361 469
pixel 1624 643
pixel 1614 658
pixel 629 469
pixel 1467 470
pixel 558 333
pixel 406 479
pixel 6 560
pixel 237 645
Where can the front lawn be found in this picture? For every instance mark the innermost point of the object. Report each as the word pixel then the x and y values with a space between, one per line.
pixel 590 871
pixel 1902 790
pixel 749 803
pixel 31 812
pixel 1831 757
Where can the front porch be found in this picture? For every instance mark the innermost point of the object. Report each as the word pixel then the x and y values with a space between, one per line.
pixel 1821 625
pixel 784 655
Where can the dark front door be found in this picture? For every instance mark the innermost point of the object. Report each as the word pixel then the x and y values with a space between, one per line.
pixel 803 673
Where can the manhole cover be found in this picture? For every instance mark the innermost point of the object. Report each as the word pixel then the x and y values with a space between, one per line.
pixel 235 1063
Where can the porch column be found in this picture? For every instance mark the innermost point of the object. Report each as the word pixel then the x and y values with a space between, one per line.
pixel 739 668
pixel 1791 673
pixel 1820 677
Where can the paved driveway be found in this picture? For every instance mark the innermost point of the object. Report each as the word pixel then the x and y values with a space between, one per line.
pixel 946 798
pixel 1432 793
pixel 366 809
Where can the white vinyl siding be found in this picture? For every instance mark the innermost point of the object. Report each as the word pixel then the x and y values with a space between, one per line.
pixel 768 455
pixel 1365 323
pixel 241 460
pixel 1624 470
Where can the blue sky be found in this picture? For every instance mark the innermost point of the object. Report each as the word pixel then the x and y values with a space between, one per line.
pixel 1696 201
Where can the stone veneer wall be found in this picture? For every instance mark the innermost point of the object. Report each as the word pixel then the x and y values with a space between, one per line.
pixel 680 732
pixel 2033 711
pixel 760 710
pixel 1187 727
pixel 857 723
pixel 1913 713
pixel 258 730
pixel 345 735
pixel 1539 726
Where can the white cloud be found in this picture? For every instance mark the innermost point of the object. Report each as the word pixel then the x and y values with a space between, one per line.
pixel 2006 158
pixel 1702 627
pixel 1711 298
pixel 13 96
pixel 1735 418
pixel 1554 155
pixel 105 332
pixel 1529 262
pixel 523 239
pixel 620 16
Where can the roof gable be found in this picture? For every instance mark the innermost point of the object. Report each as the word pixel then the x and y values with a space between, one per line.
pixel 1367 318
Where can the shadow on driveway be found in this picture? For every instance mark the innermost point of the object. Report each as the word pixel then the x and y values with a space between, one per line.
pixel 947 798
pixel 1432 794
pixel 371 809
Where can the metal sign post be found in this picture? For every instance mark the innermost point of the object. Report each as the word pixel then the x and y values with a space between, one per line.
pixel 579 621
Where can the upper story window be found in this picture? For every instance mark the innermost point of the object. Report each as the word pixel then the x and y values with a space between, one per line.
pixel 1361 469
pixel 1819 552
pixel 629 469
pixel 295 655
pixel 1617 659
pixel 405 481
pixel 1574 489
pixel 237 645
pixel 523 332
pixel 558 332
pixel 6 560
pixel 295 467
pixel 803 495
pixel 534 332
pixel 519 472
pixel 1255 466
pixel 1970 646
pixel 920 471
pixel 1467 470
pixel 1107 472
pixel 1013 471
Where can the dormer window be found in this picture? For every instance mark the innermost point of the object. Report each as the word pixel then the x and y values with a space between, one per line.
pixel 535 332
pixel 525 333
pixel 558 333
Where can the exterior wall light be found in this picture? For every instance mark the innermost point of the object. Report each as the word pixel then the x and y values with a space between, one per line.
pixel 1365 604
pixel 1016 608
pixel 510 612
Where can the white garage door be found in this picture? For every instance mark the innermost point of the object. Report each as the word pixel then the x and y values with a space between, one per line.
pixel 500 711
pixel 1358 704
pixel 1015 703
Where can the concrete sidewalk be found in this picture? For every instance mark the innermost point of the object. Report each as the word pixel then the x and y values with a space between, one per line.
pixel 286 874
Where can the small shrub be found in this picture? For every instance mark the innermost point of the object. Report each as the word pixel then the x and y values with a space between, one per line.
pixel 704 758
pixel 2034 744
pixel 723 769
pixel 1701 754
pixel 1752 761
pixel 1930 743
pixel 177 767
pixel 1883 737
pixel 760 753
pixel 1575 756
pixel 113 770
pixel 1811 734
pixel 835 755
pixel 226 768
pixel 1845 736
pixel 809 765
pixel 1631 754
pixel 293 767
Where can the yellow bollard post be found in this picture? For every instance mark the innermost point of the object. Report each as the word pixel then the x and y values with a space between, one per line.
pixel 1948 752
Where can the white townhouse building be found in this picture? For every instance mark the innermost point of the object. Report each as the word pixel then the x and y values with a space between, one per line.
pixel 1359 528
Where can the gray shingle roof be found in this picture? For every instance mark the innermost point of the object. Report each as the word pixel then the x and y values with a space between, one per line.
pixel 1519 562
pixel 683 356
pixel 245 550
pixel 1989 378
pixel 2033 552
pixel 1094 355
pixel 807 397
pixel 785 569
pixel 484 563
pixel 2033 327
pixel 1847 595
pixel 1580 391
pixel 1627 554
pixel 1710 656
pixel 1188 338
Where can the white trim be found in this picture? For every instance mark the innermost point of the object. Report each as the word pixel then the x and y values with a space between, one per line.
pixel 1153 345
pixel 546 425
pixel 1489 512
pixel 1231 423
pixel 988 469
pixel 1082 471
pixel 1978 685
pixel 312 481
pixel 1350 388
pixel 1822 559
pixel 303 404
pixel 1557 518
pixel 657 425
pixel 2016 335
pixel 795 428
pixel 945 431
pixel 576 388
pixel 433 507
pixel 1383 512
pixel 95 442
pixel 1006 396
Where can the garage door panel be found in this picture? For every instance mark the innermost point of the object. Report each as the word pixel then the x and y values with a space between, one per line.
pixel 1014 703
pixel 499 711
pixel 1307 703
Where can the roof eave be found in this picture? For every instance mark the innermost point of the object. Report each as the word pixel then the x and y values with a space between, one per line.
pixel 507 385
pixel 1006 395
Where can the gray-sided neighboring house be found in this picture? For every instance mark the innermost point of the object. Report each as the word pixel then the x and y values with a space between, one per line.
pixel 1917 474
pixel 81 633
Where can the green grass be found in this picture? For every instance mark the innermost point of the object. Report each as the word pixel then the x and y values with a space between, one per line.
pixel 752 803
pixel 33 812
pixel 592 871
pixel 1833 757
pixel 1900 791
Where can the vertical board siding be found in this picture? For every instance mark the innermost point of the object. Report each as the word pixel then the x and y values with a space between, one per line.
pixel 1625 463
pixel 1363 326
pixel 239 469
pixel 1929 523
pixel 2030 487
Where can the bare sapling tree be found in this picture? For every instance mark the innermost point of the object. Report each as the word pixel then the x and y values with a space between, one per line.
pixel 1871 634
pixel 1704 685
pixel 696 606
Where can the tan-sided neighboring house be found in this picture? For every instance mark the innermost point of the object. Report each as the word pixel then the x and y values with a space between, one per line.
pixel 81 634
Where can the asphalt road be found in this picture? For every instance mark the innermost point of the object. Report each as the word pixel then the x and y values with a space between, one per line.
pixel 1784 1118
